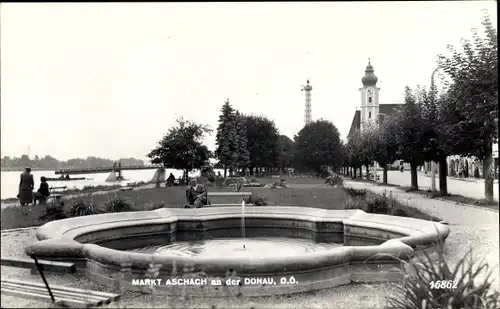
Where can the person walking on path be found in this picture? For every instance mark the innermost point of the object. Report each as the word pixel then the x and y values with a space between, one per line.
pixel 26 186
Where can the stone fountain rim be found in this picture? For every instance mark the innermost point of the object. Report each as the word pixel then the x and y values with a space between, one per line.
pixel 57 237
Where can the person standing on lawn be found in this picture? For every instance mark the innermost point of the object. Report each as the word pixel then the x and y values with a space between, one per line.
pixel 26 186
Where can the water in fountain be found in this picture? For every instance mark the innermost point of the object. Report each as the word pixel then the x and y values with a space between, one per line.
pixel 264 245
pixel 258 247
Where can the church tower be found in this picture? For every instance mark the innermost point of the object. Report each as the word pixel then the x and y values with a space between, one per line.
pixel 369 96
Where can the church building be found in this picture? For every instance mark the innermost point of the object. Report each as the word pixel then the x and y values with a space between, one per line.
pixel 370 108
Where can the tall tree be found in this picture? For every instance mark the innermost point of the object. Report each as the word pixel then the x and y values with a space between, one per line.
pixel 318 145
pixel 243 158
pixel 385 151
pixel 410 135
pixel 353 149
pixel 286 151
pixel 181 147
pixel 473 93
pixel 226 138
pixel 262 141
pixel 436 133
pixel 368 139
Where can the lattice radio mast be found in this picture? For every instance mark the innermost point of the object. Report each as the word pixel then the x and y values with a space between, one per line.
pixel 307 115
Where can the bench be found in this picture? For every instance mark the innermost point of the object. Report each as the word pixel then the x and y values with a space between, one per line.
pixel 242 194
pixel 56 193
pixel 60 295
pixel 60 267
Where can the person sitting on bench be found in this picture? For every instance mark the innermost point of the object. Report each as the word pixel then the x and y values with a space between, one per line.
pixel 43 192
pixel 196 195
pixel 170 180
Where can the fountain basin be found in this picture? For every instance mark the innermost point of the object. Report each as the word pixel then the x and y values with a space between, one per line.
pixel 98 244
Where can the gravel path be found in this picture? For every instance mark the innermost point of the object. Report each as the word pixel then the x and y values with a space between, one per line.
pixel 473 189
pixel 471 226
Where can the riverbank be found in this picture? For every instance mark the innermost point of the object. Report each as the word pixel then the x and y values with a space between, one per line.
pixel 69 193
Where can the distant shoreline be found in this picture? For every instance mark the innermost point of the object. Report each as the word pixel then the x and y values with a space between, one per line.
pixel 21 169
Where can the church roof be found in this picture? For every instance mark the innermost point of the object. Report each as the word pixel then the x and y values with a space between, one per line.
pixel 384 111
pixel 369 79
pixel 356 123
pixel 388 109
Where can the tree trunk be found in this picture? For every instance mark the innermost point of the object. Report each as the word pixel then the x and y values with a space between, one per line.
pixel 225 171
pixel 186 177
pixel 384 174
pixel 443 174
pixel 367 172
pixel 414 176
pixel 487 174
pixel 354 173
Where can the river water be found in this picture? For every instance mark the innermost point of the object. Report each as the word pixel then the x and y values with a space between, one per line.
pixel 10 180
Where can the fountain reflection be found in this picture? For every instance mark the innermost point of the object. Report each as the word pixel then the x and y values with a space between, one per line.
pixel 258 247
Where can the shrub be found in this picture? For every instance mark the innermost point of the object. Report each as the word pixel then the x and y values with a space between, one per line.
pixel 278 182
pixel 77 207
pixel 154 206
pixel 387 205
pixel 355 203
pixel 379 205
pixel 356 193
pixel 335 180
pixel 118 205
pixel 470 284
pixel 256 200
pixel 53 212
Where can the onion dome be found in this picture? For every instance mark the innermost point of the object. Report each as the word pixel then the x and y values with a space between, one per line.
pixel 369 79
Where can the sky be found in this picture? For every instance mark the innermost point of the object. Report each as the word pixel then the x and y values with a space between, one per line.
pixel 110 79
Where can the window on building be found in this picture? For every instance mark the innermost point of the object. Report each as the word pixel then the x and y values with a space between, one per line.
pixel 369 114
pixel 369 99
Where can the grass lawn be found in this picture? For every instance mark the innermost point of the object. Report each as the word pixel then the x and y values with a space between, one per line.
pixel 306 192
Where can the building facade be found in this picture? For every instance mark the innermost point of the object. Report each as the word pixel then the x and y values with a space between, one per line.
pixel 370 108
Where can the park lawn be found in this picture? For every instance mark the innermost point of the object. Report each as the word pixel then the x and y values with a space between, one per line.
pixel 310 194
